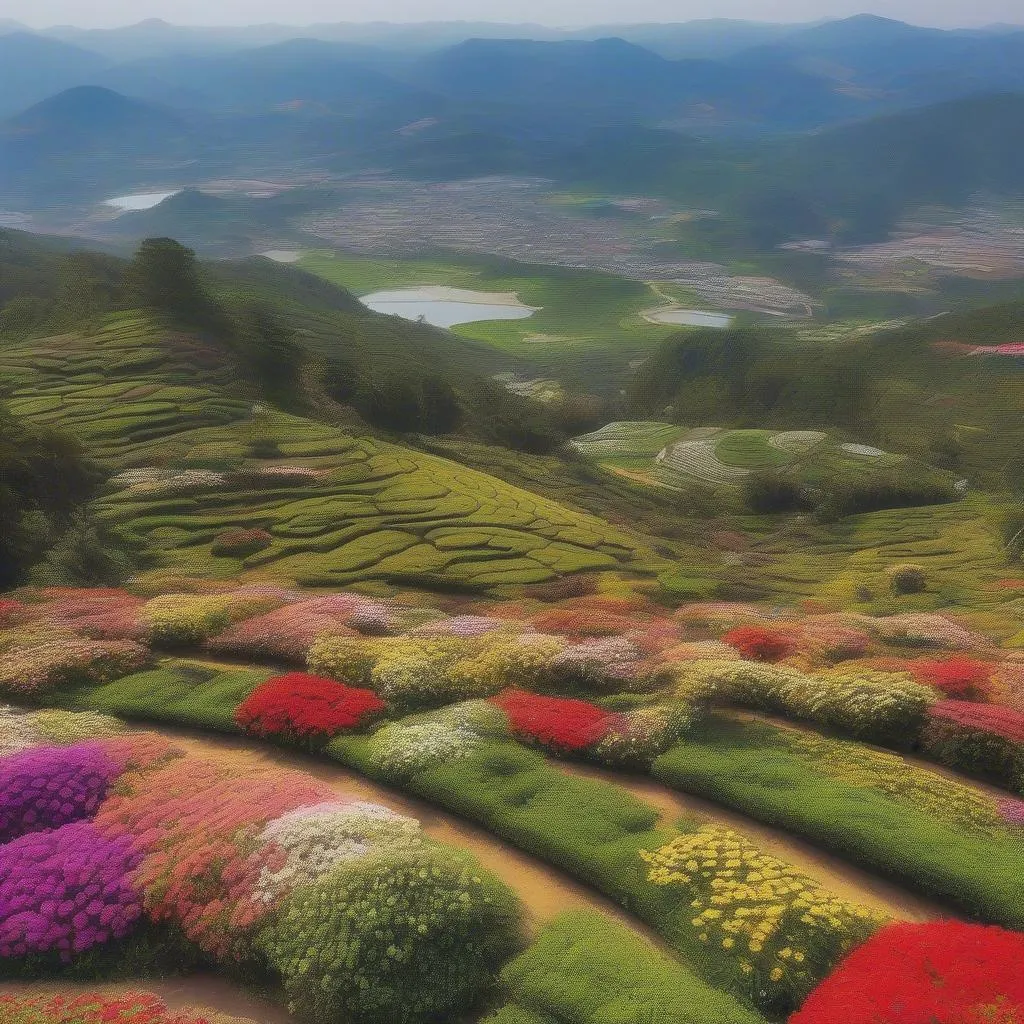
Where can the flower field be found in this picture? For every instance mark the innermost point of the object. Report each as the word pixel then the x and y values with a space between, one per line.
pixel 114 841
pixel 109 841
pixel 94 1008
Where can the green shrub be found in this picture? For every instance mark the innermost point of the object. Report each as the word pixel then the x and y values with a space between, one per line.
pixel 906 578
pixel 346 658
pixel 641 735
pixel 587 969
pixel 176 620
pixel 887 707
pixel 403 937
pixel 754 768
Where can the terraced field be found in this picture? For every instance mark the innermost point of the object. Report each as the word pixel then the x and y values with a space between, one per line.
pixel 674 455
pixel 337 508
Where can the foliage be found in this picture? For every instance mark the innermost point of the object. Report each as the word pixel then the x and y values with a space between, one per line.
pixel 956 677
pixel 786 930
pixel 754 768
pixel 637 737
pixel 982 739
pixel 175 620
pixel 58 661
pixel 405 937
pixel 565 726
pixel 402 750
pixel 942 972
pixel 96 1008
pixel 907 578
pixel 588 968
pixel 240 543
pixel 759 643
pixel 65 891
pixel 883 706
pixel 299 707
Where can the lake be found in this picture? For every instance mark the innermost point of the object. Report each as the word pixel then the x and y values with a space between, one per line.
pixel 690 317
pixel 446 307
pixel 140 200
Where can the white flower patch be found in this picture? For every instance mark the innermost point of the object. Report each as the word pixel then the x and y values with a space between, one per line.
pixel 18 731
pixel 403 749
pixel 311 841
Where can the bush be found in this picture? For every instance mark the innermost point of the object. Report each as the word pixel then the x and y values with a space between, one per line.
pixel 413 672
pixel 906 579
pixel 590 969
pixel 942 972
pixel 636 738
pixel 402 750
pixel 404 938
pixel 956 677
pixel 240 543
pixel 786 930
pixel 759 643
pixel 66 891
pixel 343 657
pixel 178 620
pixel 301 708
pixel 980 739
pixel 886 707
pixel 45 787
pixel 67 661
pixel 565 726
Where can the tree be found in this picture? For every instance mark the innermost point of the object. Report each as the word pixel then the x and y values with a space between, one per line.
pixel 164 276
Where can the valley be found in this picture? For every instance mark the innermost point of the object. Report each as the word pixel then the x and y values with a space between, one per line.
pixel 511 524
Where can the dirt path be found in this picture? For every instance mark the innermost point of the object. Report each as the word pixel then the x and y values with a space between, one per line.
pixel 832 872
pixel 544 890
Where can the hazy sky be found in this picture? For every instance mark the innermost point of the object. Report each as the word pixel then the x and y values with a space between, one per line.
pixel 105 13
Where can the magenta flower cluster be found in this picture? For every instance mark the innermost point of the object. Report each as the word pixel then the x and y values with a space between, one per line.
pixel 66 891
pixel 43 788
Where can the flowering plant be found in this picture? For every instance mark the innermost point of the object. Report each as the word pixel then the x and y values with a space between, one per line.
pixel 66 891
pixel 759 643
pixel 785 930
pixel 240 543
pixel 43 788
pixel 28 671
pixel 298 706
pixel 957 677
pixel 403 750
pixel 94 1008
pixel 563 725
pixel 942 972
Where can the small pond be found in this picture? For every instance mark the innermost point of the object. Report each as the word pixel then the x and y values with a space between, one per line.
pixel 140 200
pixel 690 317
pixel 446 307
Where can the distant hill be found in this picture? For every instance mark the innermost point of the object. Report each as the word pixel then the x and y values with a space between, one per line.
pixel 333 76
pixel 33 67
pixel 898 64
pixel 67 140
pixel 612 81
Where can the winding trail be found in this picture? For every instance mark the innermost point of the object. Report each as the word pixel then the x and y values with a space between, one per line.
pixel 832 872
pixel 546 890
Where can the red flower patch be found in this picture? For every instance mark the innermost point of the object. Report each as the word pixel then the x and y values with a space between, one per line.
pixel 943 972
pixel 957 677
pixel 304 707
pixel 567 725
pixel 990 718
pixel 758 643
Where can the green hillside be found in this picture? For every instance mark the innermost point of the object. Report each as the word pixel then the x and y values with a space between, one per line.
pixel 197 456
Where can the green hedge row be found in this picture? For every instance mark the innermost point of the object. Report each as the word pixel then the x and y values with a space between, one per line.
pixel 751 767
pixel 587 969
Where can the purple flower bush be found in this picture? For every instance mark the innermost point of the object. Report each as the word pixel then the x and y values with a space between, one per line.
pixel 66 891
pixel 43 788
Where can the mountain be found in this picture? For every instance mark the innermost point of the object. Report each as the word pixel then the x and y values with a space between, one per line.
pixel 59 145
pixel 611 81
pixel 308 73
pixel 897 63
pixel 708 38
pixel 33 67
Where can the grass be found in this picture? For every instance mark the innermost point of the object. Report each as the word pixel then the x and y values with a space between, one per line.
pixel 749 766
pixel 575 308
pixel 375 513
pixel 587 969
